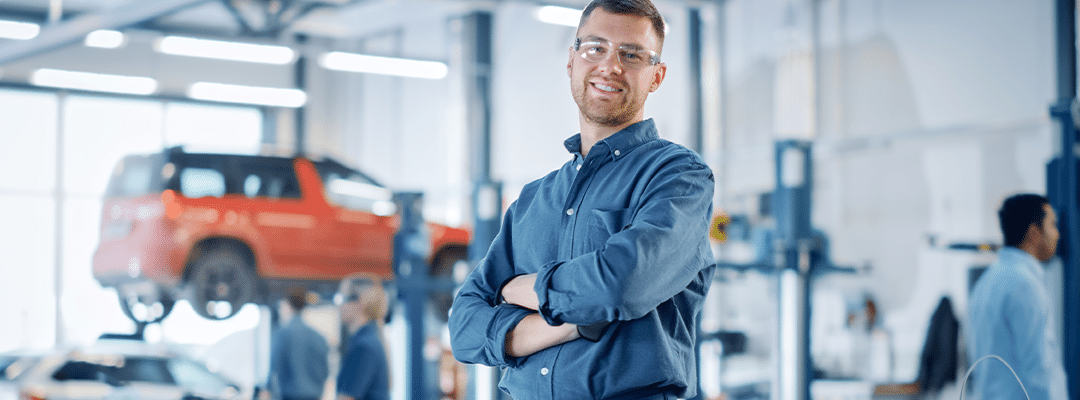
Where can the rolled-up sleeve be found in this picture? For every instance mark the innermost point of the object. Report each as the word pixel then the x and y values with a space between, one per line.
pixel 654 251
pixel 478 323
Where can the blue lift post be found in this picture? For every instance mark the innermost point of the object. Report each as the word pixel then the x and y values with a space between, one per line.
pixel 487 194
pixel 794 247
pixel 796 253
pixel 1062 190
pixel 414 284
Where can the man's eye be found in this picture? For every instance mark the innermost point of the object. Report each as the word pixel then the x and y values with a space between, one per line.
pixel 631 56
pixel 595 49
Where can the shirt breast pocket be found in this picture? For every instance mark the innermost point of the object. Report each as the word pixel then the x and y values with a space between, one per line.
pixel 603 224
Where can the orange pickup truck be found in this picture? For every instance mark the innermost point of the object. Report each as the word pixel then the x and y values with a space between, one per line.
pixel 222 230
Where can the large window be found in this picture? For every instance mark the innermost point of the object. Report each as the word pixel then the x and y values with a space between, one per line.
pixel 84 136
pixel 27 207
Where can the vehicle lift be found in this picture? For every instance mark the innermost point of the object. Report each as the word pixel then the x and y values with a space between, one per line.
pixel 798 254
pixel 1063 187
pixel 415 285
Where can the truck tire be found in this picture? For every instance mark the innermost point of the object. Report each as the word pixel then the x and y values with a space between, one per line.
pixel 222 281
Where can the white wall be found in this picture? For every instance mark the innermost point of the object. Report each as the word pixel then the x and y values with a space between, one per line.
pixel 929 114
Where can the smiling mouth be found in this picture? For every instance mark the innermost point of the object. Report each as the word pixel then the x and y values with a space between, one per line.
pixel 607 88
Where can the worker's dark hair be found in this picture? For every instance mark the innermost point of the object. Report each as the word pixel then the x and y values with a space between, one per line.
pixel 297 297
pixel 641 8
pixel 1017 213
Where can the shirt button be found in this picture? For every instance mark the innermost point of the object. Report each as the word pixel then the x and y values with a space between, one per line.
pixel 579 167
pixel 544 371
pixel 570 212
pixel 617 152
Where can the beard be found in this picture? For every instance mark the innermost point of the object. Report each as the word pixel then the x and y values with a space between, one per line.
pixel 615 112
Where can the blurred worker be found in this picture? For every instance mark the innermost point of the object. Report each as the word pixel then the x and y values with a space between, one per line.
pixel 878 364
pixel 298 354
pixel 1009 308
pixel 592 286
pixel 365 371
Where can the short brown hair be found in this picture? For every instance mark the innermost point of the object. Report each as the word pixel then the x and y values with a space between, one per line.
pixel 297 297
pixel 370 289
pixel 641 8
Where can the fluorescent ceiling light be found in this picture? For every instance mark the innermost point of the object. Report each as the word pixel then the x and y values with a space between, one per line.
pixel 106 39
pixel 351 62
pixel 233 51
pixel 18 30
pixel 93 82
pixel 266 96
pixel 559 15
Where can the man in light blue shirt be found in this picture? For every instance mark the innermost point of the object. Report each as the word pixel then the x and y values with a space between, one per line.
pixel 593 286
pixel 1009 309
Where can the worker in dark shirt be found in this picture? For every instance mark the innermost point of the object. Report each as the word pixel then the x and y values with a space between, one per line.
pixel 365 371
pixel 298 355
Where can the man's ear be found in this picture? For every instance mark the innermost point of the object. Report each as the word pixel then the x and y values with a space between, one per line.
pixel 658 77
pixel 1033 234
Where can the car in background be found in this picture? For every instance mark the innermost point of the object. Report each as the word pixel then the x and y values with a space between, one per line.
pixel 223 230
pixel 132 370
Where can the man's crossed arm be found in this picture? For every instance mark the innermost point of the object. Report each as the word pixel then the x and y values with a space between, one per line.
pixel 532 334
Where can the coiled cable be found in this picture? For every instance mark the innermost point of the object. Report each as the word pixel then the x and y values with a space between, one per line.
pixel 968 374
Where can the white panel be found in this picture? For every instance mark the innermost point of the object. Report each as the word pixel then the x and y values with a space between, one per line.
pixel 26 276
pixel 953 173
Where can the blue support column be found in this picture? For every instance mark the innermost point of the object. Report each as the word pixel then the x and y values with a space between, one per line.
pixel 411 245
pixel 697 87
pixel 794 244
pixel 300 81
pixel 1062 189
pixel 697 131
pixel 487 194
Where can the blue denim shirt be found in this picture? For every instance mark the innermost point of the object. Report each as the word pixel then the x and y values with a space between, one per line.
pixel 1009 313
pixel 620 236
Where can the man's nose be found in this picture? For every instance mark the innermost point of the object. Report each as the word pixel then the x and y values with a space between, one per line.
pixel 611 63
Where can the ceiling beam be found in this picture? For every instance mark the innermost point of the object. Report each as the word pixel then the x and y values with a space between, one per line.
pixel 70 31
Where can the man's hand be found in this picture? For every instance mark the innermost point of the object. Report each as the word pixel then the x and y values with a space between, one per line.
pixel 519 291
pixel 533 334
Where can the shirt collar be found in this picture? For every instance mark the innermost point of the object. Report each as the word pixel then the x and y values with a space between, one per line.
pixel 1023 260
pixel 620 143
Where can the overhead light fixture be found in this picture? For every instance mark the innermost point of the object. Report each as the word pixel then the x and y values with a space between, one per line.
pixel 104 38
pixel 351 62
pixel 93 82
pixel 232 51
pixel 559 15
pixel 18 30
pixel 258 95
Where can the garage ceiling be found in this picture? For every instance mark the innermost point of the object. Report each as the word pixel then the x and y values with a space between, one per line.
pixel 261 18
pixel 65 22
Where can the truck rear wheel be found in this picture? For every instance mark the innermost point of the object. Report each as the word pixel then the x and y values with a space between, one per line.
pixel 222 281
